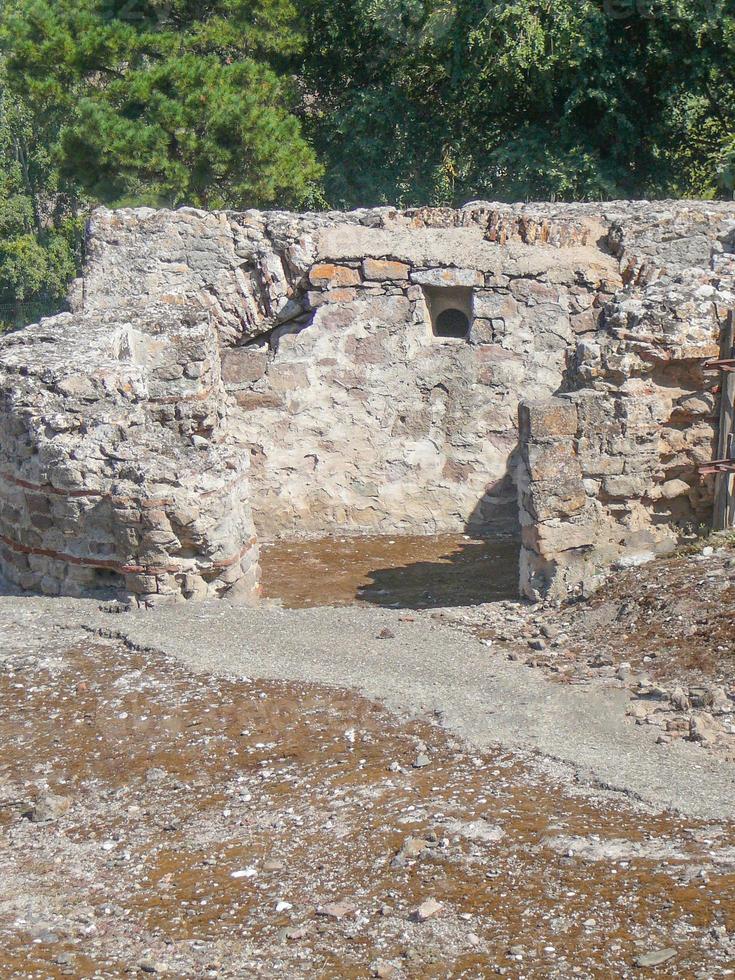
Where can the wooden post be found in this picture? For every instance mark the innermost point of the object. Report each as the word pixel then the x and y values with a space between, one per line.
pixel 724 513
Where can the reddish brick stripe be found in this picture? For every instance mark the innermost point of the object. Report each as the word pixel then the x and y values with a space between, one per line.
pixel 116 566
pixel 47 488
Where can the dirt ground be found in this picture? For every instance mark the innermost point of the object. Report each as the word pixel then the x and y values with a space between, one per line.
pixel 159 821
pixel 664 630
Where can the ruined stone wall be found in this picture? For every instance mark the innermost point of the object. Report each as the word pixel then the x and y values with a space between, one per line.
pixel 118 476
pixel 609 471
pixel 357 417
pixel 222 373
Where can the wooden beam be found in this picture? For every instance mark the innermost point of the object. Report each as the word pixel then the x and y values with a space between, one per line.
pixel 724 512
pixel 717 466
pixel 722 364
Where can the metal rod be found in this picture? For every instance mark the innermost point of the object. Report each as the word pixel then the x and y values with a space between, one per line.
pixel 724 466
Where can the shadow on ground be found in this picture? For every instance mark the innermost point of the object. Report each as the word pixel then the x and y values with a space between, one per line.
pixel 401 572
pixel 473 572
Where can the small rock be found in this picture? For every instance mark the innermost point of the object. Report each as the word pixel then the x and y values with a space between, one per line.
pixel 48 808
pixel 244 873
pixel 655 957
pixel 427 909
pixel 700 697
pixel 273 864
pixel 336 910
pixel 422 761
pixel 152 966
pixel 679 699
pixel 703 728
pixel 411 848
pixel 384 970
pixel 297 933
pixel 721 702
pixel 537 644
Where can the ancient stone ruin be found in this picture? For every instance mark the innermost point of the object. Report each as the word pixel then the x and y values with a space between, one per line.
pixel 223 378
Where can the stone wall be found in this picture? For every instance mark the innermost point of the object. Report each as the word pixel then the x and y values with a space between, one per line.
pixel 609 471
pixel 357 417
pixel 290 365
pixel 118 475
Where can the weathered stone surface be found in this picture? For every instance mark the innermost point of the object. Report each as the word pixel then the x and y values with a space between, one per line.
pixel 382 269
pixel 243 365
pixel 144 494
pixel 309 345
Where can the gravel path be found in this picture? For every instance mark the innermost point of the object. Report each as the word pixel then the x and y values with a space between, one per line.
pixel 422 667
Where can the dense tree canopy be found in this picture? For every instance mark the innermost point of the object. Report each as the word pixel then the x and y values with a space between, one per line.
pixel 446 100
pixel 39 224
pixel 258 103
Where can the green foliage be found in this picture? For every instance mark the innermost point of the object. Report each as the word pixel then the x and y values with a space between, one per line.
pixel 162 102
pixel 39 236
pixel 258 103
pixel 178 102
pixel 447 100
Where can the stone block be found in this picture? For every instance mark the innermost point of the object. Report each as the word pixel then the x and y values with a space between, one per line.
pixel 381 270
pixel 243 365
pixel 448 277
pixel 626 486
pixel 482 332
pixel 675 488
pixel 549 539
pixel 333 276
pixel 250 401
pixel 553 418
pixel 491 305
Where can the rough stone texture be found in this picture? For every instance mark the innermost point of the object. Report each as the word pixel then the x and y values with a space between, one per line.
pixel 118 474
pixel 610 471
pixel 358 419
pixel 323 367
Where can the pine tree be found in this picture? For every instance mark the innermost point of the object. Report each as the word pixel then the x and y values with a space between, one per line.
pixel 174 102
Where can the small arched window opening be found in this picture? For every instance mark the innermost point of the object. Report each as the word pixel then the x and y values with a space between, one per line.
pixel 452 323
pixel 450 311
